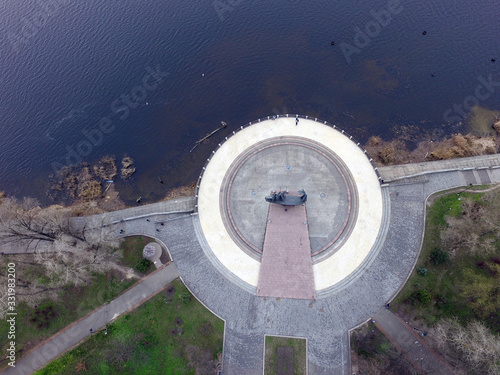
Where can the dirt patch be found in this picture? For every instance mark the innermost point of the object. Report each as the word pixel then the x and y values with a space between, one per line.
pixel 43 316
pixel 206 328
pixel 130 274
pixel 285 355
pixel 201 361
pixel 284 360
pixel 177 331
pixel 169 292
pixel 82 208
pixel 372 353
pixel 111 200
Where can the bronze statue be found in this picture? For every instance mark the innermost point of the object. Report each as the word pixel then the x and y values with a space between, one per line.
pixel 286 199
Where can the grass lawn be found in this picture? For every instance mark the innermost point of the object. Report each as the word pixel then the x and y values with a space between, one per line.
pixel 170 334
pixel 37 324
pixel 131 248
pixel 279 364
pixel 437 292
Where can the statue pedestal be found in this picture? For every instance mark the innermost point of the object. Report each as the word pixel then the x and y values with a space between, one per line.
pixel 286 266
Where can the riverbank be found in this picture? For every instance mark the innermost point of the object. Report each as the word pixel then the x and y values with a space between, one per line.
pixel 87 188
pixel 404 149
pixel 399 151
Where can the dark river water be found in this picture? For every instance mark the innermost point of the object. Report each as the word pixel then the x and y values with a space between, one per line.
pixel 84 79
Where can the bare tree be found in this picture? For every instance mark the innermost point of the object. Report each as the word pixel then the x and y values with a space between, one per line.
pixel 120 351
pixel 492 214
pixel 72 253
pixel 26 224
pixel 477 228
pixel 479 348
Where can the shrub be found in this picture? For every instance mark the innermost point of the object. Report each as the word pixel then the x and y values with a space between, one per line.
pixel 185 297
pixel 384 347
pixel 143 265
pixel 422 271
pixel 424 296
pixel 439 256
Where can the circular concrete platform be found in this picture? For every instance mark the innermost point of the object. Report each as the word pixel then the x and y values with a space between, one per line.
pixel 279 164
pixel 344 206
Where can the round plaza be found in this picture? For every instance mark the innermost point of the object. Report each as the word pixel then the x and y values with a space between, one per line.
pixel 344 205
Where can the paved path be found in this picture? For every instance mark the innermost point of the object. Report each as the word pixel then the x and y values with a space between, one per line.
pixel 404 170
pixel 77 332
pixel 173 206
pixel 410 344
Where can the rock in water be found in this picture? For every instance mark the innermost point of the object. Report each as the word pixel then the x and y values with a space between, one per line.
pixel 128 167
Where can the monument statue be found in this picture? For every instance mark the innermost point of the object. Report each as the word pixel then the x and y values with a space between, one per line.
pixel 286 199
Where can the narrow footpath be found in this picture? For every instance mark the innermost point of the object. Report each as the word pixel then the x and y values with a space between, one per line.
pixel 75 333
pixel 408 342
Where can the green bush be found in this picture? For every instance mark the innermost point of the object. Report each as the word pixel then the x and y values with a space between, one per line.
pixel 422 271
pixel 143 265
pixel 384 347
pixel 439 256
pixel 424 296
pixel 185 297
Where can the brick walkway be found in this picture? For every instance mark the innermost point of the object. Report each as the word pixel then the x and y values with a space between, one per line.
pixel 286 267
